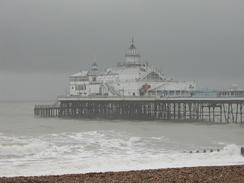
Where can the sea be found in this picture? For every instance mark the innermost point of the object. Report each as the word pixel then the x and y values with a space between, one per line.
pixel 42 146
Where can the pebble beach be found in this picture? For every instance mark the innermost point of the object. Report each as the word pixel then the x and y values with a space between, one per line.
pixel 214 174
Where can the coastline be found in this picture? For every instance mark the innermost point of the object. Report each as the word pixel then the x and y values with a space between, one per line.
pixel 216 174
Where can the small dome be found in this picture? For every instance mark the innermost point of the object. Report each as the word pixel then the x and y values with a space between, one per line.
pixel 132 57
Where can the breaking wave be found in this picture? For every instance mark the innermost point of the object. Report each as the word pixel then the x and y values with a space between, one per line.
pixel 101 151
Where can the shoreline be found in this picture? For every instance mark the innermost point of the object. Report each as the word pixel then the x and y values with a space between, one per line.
pixel 221 174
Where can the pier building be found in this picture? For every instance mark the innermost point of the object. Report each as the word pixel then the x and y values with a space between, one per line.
pixel 131 77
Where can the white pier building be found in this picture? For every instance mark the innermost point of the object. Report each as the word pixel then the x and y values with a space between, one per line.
pixel 132 77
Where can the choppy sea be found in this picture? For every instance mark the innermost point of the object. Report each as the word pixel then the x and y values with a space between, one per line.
pixel 43 146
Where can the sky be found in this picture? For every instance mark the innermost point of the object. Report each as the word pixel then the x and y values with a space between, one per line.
pixel 42 42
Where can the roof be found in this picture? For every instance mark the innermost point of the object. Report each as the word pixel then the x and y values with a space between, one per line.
pixel 80 74
pixel 173 85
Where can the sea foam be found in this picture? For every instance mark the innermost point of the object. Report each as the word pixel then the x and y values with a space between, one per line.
pixel 96 151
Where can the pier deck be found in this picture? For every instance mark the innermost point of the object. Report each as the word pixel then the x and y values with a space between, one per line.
pixel 218 110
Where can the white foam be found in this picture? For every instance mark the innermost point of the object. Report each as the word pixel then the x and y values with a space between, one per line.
pixel 97 151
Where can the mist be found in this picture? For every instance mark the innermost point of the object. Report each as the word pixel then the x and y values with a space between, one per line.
pixel 43 42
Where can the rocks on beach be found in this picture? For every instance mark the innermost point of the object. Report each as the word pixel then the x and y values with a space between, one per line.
pixel 215 174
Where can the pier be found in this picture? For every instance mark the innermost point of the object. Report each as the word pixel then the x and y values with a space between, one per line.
pixel 46 110
pixel 216 110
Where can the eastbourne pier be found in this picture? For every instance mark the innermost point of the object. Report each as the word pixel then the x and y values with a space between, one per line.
pixel 216 110
pixel 136 90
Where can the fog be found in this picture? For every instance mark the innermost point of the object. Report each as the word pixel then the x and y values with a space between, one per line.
pixel 42 42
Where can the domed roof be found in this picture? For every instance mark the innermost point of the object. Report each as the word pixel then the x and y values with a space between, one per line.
pixel 94 67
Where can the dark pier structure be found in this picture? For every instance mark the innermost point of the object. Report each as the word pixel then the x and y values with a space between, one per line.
pixel 217 110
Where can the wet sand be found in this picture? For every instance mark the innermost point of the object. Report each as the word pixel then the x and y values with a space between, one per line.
pixel 215 174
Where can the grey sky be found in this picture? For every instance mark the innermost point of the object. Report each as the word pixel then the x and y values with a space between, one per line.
pixel 189 39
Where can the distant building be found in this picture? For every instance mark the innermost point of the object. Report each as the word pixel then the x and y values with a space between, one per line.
pixel 132 77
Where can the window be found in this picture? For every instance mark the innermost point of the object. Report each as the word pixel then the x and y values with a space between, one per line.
pixel 80 87
pixel 171 92
pixel 80 78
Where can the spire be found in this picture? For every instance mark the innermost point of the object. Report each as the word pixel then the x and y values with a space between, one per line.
pixel 132 46
pixel 132 56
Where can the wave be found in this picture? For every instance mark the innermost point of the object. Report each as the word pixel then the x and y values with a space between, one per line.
pixel 101 151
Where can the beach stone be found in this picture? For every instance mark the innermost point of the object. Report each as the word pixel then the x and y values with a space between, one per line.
pixel 212 174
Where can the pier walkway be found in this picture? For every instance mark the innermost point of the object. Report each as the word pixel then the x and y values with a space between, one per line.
pixel 217 110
